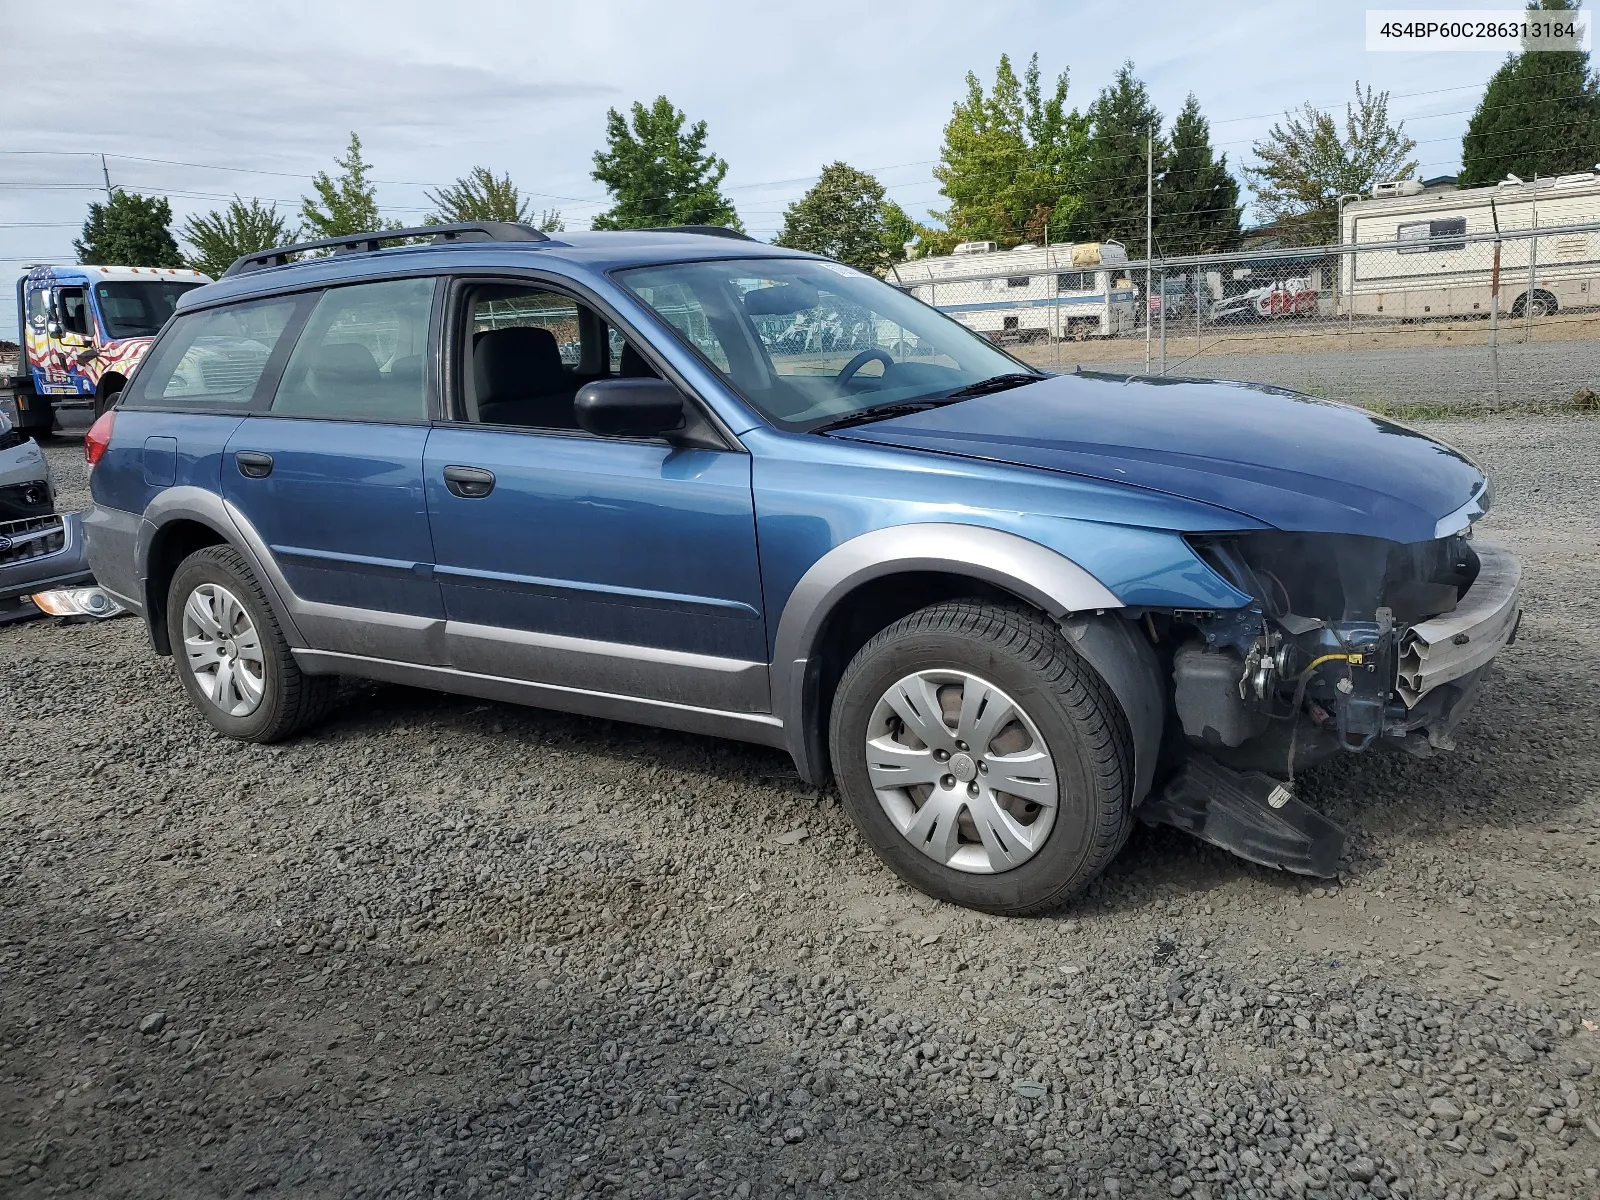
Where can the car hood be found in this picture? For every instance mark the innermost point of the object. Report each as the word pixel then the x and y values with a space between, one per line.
pixel 1290 461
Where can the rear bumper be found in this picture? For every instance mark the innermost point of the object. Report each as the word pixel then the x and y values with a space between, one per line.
pixel 42 553
pixel 1457 644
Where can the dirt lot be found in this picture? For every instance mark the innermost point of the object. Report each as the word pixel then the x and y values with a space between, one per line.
pixel 446 948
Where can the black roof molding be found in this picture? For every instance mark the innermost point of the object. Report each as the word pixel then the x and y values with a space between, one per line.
pixel 721 231
pixel 365 243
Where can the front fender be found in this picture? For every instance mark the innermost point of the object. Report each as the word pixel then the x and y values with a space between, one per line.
pixel 1049 581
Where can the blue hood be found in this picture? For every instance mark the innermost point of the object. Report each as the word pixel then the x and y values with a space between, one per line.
pixel 1289 461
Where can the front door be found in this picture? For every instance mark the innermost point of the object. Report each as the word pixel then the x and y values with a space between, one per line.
pixel 330 476
pixel 604 565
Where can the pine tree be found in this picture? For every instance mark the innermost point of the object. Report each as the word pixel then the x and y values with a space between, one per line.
pixel 841 216
pixel 129 230
pixel 1540 115
pixel 658 174
pixel 1006 155
pixel 218 238
pixel 346 204
pixel 1114 193
pixel 1306 164
pixel 1197 200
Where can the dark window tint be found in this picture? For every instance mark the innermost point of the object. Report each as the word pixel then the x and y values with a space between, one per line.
pixel 38 306
pixel 138 309
pixel 212 357
pixel 1075 281
pixel 362 356
pixel 1018 281
pixel 74 304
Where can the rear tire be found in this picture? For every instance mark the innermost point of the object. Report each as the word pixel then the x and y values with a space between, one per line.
pixel 231 655
pixel 956 834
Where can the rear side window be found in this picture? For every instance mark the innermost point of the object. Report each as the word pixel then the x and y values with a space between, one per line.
pixel 212 357
pixel 362 355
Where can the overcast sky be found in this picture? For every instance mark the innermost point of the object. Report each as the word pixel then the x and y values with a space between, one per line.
pixel 271 90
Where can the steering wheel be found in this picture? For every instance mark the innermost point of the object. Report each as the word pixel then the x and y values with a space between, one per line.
pixel 861 360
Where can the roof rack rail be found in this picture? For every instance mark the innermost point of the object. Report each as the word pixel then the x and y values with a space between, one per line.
pixel 357 243
pixel 707 230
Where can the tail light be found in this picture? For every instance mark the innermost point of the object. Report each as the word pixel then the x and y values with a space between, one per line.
pixel 98 437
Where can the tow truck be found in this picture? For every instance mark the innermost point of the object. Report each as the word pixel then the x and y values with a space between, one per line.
pixel 82 330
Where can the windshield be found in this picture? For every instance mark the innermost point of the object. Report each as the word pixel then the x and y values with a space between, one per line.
pixel 138 309
pixel 807 342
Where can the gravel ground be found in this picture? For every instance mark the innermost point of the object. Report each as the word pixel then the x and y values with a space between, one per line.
pixel 1542 373
pixel 446 948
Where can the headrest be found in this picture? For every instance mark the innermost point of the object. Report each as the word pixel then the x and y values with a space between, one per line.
pixel 512 363
pixel 342 365
pixel 633 366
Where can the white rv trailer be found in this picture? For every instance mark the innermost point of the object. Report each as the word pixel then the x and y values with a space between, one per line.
pixel 1416 271
pixel 1032 293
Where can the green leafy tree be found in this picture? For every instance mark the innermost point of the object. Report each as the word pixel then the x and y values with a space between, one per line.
pixel 129 230
pixel 344 204
pixel 1540 115
pixel 1197 200
pixel 218 238
pixel 1307 162
pixel 480 195
pixel 843 215
pixel 898 230
pixel 658 174
pixel 1011 159
pixel 1114 184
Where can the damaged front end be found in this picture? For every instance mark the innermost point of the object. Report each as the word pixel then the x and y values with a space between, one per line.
pixel 1350 643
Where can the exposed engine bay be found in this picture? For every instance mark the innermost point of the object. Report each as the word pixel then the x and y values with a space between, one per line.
pixel 1350 643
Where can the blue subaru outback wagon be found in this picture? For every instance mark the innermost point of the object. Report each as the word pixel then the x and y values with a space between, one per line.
pixel 686 479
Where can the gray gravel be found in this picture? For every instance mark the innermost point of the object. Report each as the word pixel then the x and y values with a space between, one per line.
pixel 445 948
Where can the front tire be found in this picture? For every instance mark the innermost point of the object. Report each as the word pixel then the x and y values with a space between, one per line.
pixel 231 655
pixel 982 759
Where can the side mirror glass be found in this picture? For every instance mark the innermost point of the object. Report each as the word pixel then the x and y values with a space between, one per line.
pixel 53 329
pixel 629 408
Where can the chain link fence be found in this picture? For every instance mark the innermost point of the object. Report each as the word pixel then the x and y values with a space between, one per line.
pixel 1447 320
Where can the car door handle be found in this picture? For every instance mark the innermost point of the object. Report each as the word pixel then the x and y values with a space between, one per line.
pixel 470 483
pixel 253 463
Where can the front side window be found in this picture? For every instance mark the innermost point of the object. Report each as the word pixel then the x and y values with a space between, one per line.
pixel 138 308
pixel 362 355
pixel 38 307
pixel 1075 281
pixel 74 304
pixel 212 357
pixel 808 342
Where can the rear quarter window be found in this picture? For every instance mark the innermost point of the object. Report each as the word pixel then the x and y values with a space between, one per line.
pixel 215 357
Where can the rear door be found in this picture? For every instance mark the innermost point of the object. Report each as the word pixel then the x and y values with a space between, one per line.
pixel 330 475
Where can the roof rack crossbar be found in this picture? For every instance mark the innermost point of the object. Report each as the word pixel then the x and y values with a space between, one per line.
pixel 365 243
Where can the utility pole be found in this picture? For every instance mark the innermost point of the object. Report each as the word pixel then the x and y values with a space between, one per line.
pixel 106 175
pixel 1149 229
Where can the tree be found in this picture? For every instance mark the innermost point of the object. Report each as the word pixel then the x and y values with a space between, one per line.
pixel 1197 200
pixel 898 230
pixel 659 175
pixel 842 216
pixel 1010 157
pixel 129 230
pixel 1306 164
pixel 218 238
pixel 1540 115
pixel 481 196
pixel 1114 192
pixel 346 204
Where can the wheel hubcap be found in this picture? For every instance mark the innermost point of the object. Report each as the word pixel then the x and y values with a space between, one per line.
pixel 961 771
pixel 223 650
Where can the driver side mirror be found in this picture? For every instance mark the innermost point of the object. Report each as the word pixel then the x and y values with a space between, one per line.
pixel 629 408
pixel 53 329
